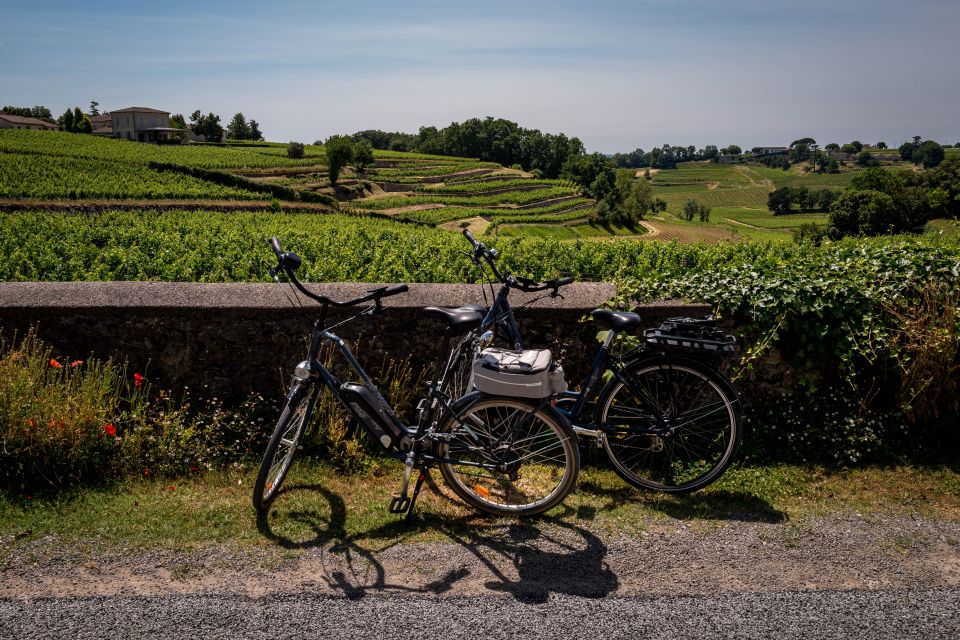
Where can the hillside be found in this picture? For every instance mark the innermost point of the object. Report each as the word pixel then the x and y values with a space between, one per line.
pixel 48 170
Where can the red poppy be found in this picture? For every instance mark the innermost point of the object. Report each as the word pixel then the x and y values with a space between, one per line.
pixel 138 380
pixel 171 487
pixel 76 363
pixel 31 423
pixel 110 429
pixel 55 364
pixel 146 471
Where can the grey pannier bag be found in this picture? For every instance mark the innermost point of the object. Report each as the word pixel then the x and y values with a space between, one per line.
pixel 520 374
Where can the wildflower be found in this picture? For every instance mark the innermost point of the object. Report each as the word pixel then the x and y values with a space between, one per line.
pixel 75 364
pixel 138 380
pixel 110 429
pixel 146 471
pixel 54 364
pixel 171 487
pixel 30 423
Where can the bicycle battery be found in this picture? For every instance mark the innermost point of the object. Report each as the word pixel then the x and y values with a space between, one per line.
pixel 379 424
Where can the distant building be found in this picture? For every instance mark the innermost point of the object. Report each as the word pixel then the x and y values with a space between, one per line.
pixel 20 122
pixel 102 125
pixel 769 151
pixel 142 124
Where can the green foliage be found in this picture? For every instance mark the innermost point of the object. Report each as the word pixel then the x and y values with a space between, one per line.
pixel 295 150
pixel 61 419
pixel 65 145
pixel 339 152
pixel 239 129
pixel 867 213
pixel 362 155
pixel 207 126
pixel 240 182
pixel 875 320
pixel 693 209
pixel 37 176
pixel 39 111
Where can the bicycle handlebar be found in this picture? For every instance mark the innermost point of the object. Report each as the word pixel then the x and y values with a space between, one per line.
pixel 514 282
pixel 285 260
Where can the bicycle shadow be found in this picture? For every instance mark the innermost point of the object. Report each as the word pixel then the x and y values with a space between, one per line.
pixel 718 504
pixel 527 559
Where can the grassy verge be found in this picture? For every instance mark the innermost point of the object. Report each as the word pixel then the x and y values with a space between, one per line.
pixel 319 505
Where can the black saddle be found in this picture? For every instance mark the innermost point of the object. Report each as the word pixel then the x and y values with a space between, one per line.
pixel 616 320
pixel 464 318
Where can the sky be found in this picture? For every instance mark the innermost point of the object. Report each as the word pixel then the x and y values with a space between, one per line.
pixel 617 74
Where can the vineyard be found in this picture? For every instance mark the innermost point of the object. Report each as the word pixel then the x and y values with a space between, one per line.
pixel 418 190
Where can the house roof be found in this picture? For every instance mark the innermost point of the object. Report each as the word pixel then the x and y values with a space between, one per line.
pixel 103 130
pixel 101 118
pixel 140 110
pixel 22 120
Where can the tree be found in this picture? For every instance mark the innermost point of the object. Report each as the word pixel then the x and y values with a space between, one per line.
pixel 833 146
pixel 694 209
pixel 255 133
pixel 734 150
pixel 238 129
pixel 94 108
pixel 867 213
pixel 66 121
pixel 881 145
pixel 929 154
pixel 709 152
pixel 780 201
pixel 857 145
pixel 803 141
pixel 177 121
pixel 831 166
pixel 362 155
pixel 207 126
pixel 866 159
pixel 848 148
pixel 38 111
pixel 295 150
pixel 659 205
pixel 339 152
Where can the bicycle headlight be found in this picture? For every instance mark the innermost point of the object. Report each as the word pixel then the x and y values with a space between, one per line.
pixel 302 370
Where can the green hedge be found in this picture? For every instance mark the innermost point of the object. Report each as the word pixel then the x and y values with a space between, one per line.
pixel 240 182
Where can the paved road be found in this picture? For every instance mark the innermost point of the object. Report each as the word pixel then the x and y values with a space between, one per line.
pixel 933 613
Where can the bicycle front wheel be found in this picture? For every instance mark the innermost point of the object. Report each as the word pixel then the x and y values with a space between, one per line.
pixel 283 444
pixel 505 457
pixel 698 416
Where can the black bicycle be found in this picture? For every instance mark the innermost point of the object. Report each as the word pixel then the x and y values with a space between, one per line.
pixel 664 412
pixel 505 456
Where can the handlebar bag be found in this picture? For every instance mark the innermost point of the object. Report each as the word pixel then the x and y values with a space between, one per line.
pixel 518 374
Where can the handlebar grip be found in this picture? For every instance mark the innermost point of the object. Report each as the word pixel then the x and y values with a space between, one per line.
pixel 395 289
pixel 562 282
pixel 469 236
pixel 276 247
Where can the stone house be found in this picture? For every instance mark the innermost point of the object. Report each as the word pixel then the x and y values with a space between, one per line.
pixel 141 124
pixel 20 122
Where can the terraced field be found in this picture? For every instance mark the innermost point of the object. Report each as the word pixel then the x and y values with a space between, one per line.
pixel 418 189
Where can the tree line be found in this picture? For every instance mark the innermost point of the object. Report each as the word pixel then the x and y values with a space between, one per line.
pixel 489 139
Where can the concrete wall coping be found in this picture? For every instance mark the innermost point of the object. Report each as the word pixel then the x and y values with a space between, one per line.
pixel 184 298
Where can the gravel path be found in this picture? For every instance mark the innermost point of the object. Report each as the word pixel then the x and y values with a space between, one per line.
pixel 839 575
pixel 819 614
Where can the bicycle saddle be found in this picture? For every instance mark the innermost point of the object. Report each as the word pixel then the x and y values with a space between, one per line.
pixel 616 320
pixel 466 317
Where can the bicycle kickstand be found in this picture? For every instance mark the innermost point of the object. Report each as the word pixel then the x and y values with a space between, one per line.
pixel 416 492
pixel 401 502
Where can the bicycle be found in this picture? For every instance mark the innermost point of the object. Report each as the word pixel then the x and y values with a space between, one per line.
pixel 667 416
pixel 504 456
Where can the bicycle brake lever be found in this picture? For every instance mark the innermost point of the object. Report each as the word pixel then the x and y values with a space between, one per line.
pixel 273 274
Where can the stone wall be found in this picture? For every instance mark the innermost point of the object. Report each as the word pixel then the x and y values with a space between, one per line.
pixel 228 340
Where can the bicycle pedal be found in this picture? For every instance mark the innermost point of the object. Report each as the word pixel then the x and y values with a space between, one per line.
pixel 399 504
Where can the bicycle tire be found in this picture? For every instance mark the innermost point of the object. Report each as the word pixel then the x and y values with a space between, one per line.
pixel 283 444
pixel 546 452
pixel 703 410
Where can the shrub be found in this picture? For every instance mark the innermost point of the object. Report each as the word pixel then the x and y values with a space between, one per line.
pixel 61 419
pixel 695 209
pixel 866 213
pixel 295 150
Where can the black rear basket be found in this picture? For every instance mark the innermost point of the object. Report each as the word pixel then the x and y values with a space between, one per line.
pixel 693 336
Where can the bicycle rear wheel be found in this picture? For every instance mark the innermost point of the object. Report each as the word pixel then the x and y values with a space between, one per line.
pixel 283 444
pixel 535 454
pixel 702 424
